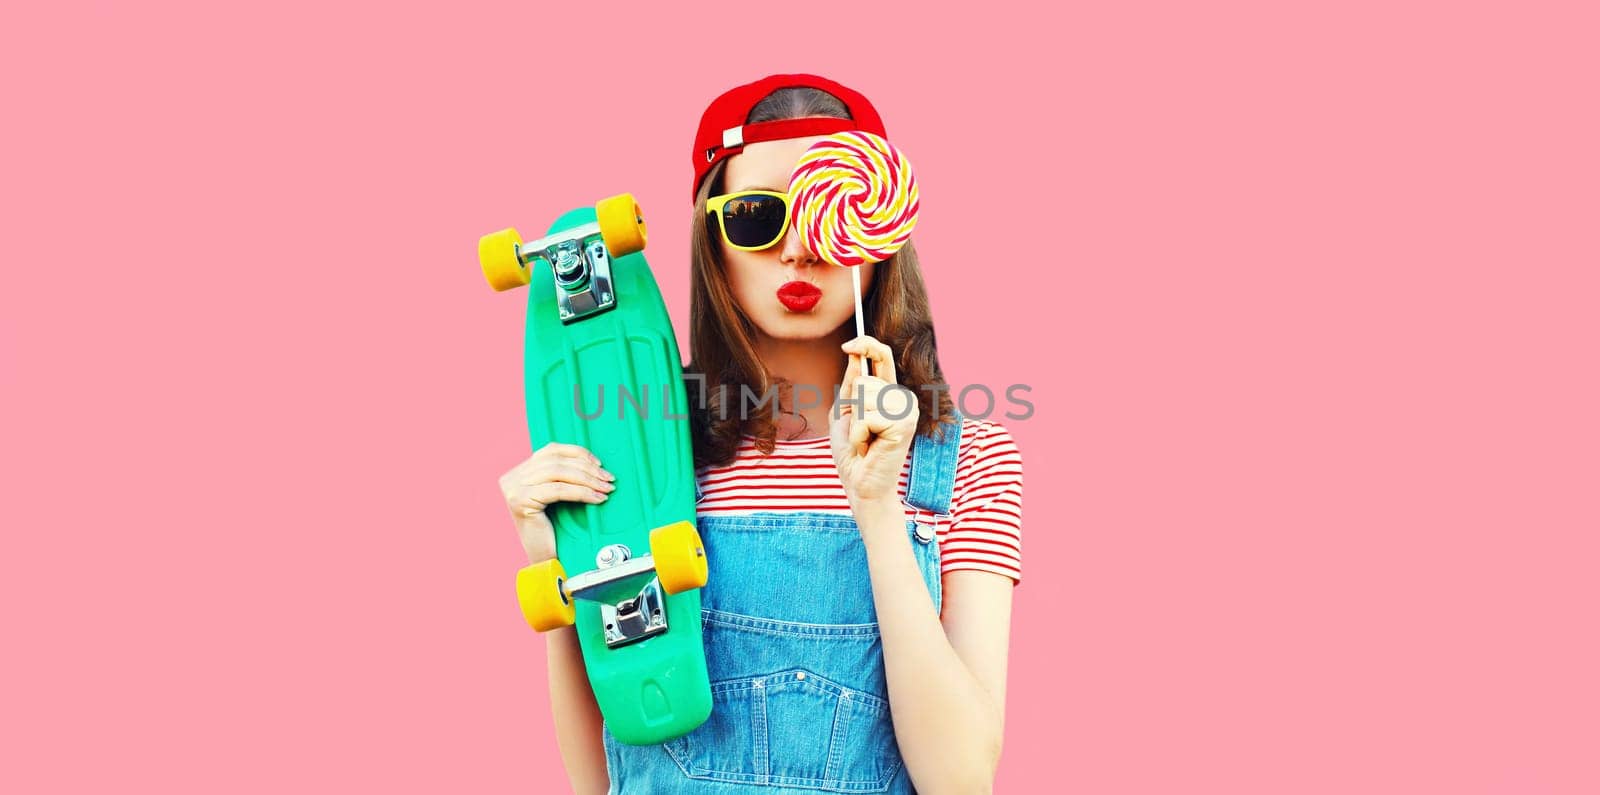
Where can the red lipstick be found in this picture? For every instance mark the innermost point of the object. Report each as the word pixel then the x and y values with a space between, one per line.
pixel 799 296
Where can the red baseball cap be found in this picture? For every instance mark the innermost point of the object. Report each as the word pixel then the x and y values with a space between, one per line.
pixel 723 132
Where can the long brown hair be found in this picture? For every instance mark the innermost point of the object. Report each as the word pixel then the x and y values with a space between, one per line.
pixel 722 337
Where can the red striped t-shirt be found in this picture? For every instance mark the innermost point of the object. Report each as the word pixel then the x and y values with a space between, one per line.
pixel 983 531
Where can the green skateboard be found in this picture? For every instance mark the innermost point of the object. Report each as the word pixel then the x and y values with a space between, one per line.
pixel 596 324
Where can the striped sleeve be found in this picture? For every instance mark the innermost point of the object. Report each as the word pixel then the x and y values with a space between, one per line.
pixel 986 507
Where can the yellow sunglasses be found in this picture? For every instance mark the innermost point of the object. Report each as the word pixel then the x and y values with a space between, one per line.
pixel 751 220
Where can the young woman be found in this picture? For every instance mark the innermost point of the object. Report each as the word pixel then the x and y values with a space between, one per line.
pixel 862 550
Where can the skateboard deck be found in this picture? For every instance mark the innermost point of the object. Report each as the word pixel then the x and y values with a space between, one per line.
pixel 627 570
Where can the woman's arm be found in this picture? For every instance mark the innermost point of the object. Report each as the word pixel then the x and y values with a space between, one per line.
pixel 577 716
pixel 946 680
pixel 562 473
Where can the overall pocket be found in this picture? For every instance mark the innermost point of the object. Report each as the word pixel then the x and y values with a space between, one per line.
pixel 792 728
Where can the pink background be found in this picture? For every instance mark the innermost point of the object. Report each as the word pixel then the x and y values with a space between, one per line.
pixel 1308 305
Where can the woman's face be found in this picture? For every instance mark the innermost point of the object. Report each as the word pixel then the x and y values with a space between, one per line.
pixel 758 278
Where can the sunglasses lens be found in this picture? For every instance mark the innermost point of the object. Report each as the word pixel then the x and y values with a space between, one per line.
pixel 753 221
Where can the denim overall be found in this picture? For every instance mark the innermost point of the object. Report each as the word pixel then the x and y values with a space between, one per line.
pixel 799 699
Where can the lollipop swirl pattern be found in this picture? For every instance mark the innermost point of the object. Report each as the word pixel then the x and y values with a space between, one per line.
pixel 854 198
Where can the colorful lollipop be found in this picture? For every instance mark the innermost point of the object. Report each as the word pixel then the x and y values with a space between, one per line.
pixel 854 200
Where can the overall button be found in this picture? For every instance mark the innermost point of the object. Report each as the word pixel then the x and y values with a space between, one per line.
pixel 924 532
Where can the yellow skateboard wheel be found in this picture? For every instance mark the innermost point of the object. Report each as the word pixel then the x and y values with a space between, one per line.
pixel 680 557
pixel 621 224
pixel 545 603
pixel 497 253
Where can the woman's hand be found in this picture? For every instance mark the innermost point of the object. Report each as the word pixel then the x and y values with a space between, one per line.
pixel 554 473
pixel 872 434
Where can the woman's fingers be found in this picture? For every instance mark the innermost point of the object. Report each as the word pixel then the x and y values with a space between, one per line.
pixel 879 408
pixel 866 397
pixel 561 479
pixel 882 359
pixel 571 472
pixel 568 451
pixel 556 472
pixel 860 432
pixel 895 402
pixel 867 416
pixel 544 457
pixel 535 498
pixel 852 372
pixel 879 397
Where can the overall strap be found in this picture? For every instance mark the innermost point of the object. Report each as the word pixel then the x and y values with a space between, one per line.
pixel 933 468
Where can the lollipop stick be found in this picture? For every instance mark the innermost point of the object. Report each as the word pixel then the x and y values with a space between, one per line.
pixel 861 326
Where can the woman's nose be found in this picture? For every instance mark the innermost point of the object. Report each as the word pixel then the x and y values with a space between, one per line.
pixel 792 251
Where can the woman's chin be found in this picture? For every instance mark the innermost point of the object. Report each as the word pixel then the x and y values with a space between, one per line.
pixel 809 325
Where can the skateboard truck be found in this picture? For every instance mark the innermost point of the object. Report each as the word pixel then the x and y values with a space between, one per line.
pixel 677 557
pixel 637 618
pixel 632 619
pixel 582 270
pixel 579 257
